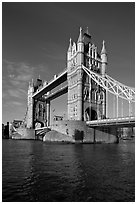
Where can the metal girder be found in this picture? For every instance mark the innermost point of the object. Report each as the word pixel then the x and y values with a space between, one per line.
pixel 111 85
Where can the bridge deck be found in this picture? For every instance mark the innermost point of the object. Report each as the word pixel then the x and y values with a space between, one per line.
pixel 126 122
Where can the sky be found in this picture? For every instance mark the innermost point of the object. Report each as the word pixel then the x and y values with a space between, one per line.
pixel 35 39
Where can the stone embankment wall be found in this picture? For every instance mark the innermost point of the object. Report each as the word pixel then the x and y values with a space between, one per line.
pixel 55 136
pixel 79 131
pixel 24 133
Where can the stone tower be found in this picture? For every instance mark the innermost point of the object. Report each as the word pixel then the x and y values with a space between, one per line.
pixel 86 99
pixel 30 105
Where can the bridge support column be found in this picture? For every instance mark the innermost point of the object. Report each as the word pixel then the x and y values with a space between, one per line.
pixel 48 113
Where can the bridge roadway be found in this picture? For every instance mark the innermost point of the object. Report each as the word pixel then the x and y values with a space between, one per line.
pixel 120 122
pixel 56 81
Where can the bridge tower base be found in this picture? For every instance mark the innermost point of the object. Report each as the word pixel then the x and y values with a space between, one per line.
pixel 78 131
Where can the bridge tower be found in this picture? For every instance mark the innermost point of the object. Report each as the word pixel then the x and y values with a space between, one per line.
pixel 38 110
pixel 86 99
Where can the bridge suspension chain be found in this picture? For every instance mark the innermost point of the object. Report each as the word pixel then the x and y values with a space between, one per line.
pixel 112 86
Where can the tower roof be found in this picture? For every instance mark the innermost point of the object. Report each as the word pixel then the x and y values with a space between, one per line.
pixel 80 39
pixel 87 34
pixel 103 51
pixel 70 45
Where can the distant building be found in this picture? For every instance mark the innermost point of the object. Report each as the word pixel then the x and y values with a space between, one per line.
pixel 57 117
pixel 126 132
pixel 8 129
pixel 3 127
pixel 16 123
pixel 5 131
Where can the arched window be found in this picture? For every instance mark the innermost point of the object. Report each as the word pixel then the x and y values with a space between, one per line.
pixel 102 96
pixel 94 96
pixel 98 97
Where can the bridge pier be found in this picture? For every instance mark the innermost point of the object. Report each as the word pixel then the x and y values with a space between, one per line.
pixel 78 131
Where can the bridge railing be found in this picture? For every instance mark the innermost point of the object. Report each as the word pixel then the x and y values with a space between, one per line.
pixel 112 120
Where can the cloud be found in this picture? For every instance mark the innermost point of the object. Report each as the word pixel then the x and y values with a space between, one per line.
pixel 16 77
pixel 4 95
pixel 16 103
pixel 12 103
pixel 15 81
pixel 18 72
pixel 22 73
pixel 18 93
pixel 11 75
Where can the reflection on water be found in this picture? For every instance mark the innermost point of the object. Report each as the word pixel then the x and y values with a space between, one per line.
pixel 36 171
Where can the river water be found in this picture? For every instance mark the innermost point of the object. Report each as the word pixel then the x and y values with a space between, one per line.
pixel 36 171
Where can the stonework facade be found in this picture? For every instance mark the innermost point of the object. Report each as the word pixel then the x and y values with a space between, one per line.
pixel 30 106
pixel 86 100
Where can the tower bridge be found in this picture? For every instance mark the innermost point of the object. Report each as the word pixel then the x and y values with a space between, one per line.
pixel 88 87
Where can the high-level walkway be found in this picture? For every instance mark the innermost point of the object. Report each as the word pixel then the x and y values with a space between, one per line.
pixel 56 81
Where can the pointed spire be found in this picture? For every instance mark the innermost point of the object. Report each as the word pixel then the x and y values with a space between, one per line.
pixel 32 82
pixel 74 46
pixel 93 46
pixel 80 39
pixel 87 34
pixel 103 51
pixel 89 49
pixel 87 31
pixel 70 45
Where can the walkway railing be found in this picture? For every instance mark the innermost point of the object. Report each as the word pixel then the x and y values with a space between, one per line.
pixel 125 120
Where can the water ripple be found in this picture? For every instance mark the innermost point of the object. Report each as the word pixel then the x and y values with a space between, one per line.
pixel 35 171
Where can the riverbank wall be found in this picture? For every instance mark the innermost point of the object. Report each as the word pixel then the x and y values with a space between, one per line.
pixel 78 131
pixel 23 133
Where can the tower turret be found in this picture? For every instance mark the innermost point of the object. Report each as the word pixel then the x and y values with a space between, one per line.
pixel 87 37
pixel 69 53
pixel 80 48
pixel 80 38
pixel 80 61
pixel 69 49
pixel 103 59
pixel 30 105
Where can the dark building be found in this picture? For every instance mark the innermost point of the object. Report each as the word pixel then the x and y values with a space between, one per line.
pixel 16 123
pixel 3 127
pixel 5 131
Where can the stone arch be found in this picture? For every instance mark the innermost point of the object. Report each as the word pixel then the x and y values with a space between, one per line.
pixel 94 95
pixel 98 97
pixel 102 96
pixel 39 124
pixel 90 114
